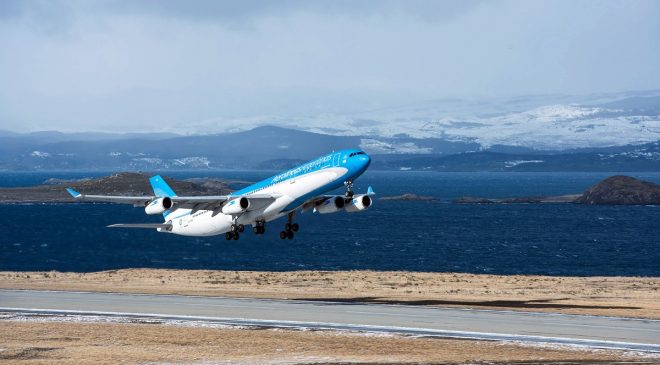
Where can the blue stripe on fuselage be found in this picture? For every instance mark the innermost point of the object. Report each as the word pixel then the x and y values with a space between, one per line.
pixel 323 162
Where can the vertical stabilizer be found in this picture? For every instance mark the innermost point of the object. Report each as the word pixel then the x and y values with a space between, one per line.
pixel 160 187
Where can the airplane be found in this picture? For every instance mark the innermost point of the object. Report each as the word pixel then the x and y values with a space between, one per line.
pixel 304 187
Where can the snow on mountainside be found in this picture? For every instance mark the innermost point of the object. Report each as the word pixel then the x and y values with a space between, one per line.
pixel 523 122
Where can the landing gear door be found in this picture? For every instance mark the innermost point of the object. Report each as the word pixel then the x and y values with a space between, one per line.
pixel 335 161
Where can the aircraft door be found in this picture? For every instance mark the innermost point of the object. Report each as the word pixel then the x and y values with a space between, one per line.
pixel 335 161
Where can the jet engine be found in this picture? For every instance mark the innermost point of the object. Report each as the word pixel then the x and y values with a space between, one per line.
pixel 331 205
pixel 158 206
pixel 359 202
pixel 236 206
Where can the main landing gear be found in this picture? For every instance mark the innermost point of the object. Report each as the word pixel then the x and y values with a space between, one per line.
pixel 289 228
pixel 234 231
pixel 259 228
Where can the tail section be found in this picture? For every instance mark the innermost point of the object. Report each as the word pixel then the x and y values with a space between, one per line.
pixel 160 187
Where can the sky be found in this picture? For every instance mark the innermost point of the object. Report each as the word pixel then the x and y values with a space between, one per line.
pixel 155 65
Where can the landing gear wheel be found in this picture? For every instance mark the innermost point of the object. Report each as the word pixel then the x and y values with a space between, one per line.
pixel 262 230
pixel 287 227
pixel 256 230
pixel 241 228
pixel 235 236
pixel 283 235
pixel 289 235
pixel 228 236
pixel 295 227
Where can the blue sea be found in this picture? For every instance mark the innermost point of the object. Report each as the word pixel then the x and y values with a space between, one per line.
pixel 437 236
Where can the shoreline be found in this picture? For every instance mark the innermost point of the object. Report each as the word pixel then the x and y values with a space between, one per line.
pixel 633 297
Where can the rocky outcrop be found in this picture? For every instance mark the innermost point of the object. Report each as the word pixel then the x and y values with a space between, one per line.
pixel 124 183
pixel 622 190
pixel 408 197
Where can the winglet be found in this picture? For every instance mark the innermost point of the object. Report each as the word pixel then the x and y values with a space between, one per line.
pixel 370 191
pixel 73 193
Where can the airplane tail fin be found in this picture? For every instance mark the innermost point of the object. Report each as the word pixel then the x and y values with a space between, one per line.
pixel 160 187
pixel 161 190
pixel 370 191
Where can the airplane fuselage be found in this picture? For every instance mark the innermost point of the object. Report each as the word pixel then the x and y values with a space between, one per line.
pixel 290 190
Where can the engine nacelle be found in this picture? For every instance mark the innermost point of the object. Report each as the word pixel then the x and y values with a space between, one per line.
pixel 236 206
pixel 331 205
pixel 359 203
pixel 158 206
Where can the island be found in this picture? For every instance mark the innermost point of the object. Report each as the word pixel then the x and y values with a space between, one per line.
pixel 124 183
pixel 615 190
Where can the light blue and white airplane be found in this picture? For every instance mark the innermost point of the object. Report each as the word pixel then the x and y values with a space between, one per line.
pixel 281 195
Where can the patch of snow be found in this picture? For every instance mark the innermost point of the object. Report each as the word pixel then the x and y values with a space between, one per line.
pixel 379 147
pixel 192 162
pixel 150 161
pixel 577 347
pixel 40 154
pixel 520 162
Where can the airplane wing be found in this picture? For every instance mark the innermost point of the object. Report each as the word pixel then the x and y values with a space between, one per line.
pixel 135 200
pixel 193 202
pixel 165 226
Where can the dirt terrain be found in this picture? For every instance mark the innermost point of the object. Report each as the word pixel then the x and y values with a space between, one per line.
pixel 52 342
pixel 611 296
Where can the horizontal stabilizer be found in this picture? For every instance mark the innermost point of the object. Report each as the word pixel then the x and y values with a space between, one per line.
pixel 163 226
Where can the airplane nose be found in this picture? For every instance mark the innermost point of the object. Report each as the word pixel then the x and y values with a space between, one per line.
pixel 365 160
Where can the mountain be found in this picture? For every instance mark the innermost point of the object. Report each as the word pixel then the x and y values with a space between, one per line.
pixel 601 132
pixel 280 148
pixel 545 122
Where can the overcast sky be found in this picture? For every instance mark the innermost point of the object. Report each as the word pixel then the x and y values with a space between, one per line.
pixel 150 65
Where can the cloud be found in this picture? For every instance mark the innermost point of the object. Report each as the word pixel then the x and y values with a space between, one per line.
pixel 140 65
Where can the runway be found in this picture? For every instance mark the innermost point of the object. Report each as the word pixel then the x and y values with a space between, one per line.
pixel 589 331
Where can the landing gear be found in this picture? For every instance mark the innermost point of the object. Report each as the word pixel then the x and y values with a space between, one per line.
pixel 232 236
pixel 234 230
pixel 289 228
pixel 259 228
pixel 349 188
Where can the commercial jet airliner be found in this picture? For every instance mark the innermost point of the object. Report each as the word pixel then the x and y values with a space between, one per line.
pixel 303 187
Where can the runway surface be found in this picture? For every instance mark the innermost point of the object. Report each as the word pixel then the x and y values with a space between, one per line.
pixel 590 331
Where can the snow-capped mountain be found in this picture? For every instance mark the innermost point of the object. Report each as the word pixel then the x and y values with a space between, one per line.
pixel 544 123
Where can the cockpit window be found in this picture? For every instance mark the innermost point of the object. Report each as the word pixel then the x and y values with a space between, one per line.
pixel 355 154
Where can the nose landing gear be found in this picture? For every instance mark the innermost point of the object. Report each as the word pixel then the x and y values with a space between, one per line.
pixel 349 188
pixel 289 227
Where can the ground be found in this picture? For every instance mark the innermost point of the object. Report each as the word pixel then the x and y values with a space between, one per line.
pixel 637 297
pixel 112 343
pixel 66 339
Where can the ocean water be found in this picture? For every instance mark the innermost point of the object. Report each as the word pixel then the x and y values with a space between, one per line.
pixel 553 239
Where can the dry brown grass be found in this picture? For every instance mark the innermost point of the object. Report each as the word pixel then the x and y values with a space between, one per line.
pixel 111 343
pixel 612 296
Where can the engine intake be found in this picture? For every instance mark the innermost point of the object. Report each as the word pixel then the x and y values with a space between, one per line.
pixel 331 205
pixel 158 206
pixel 359 203
pixel 236 206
